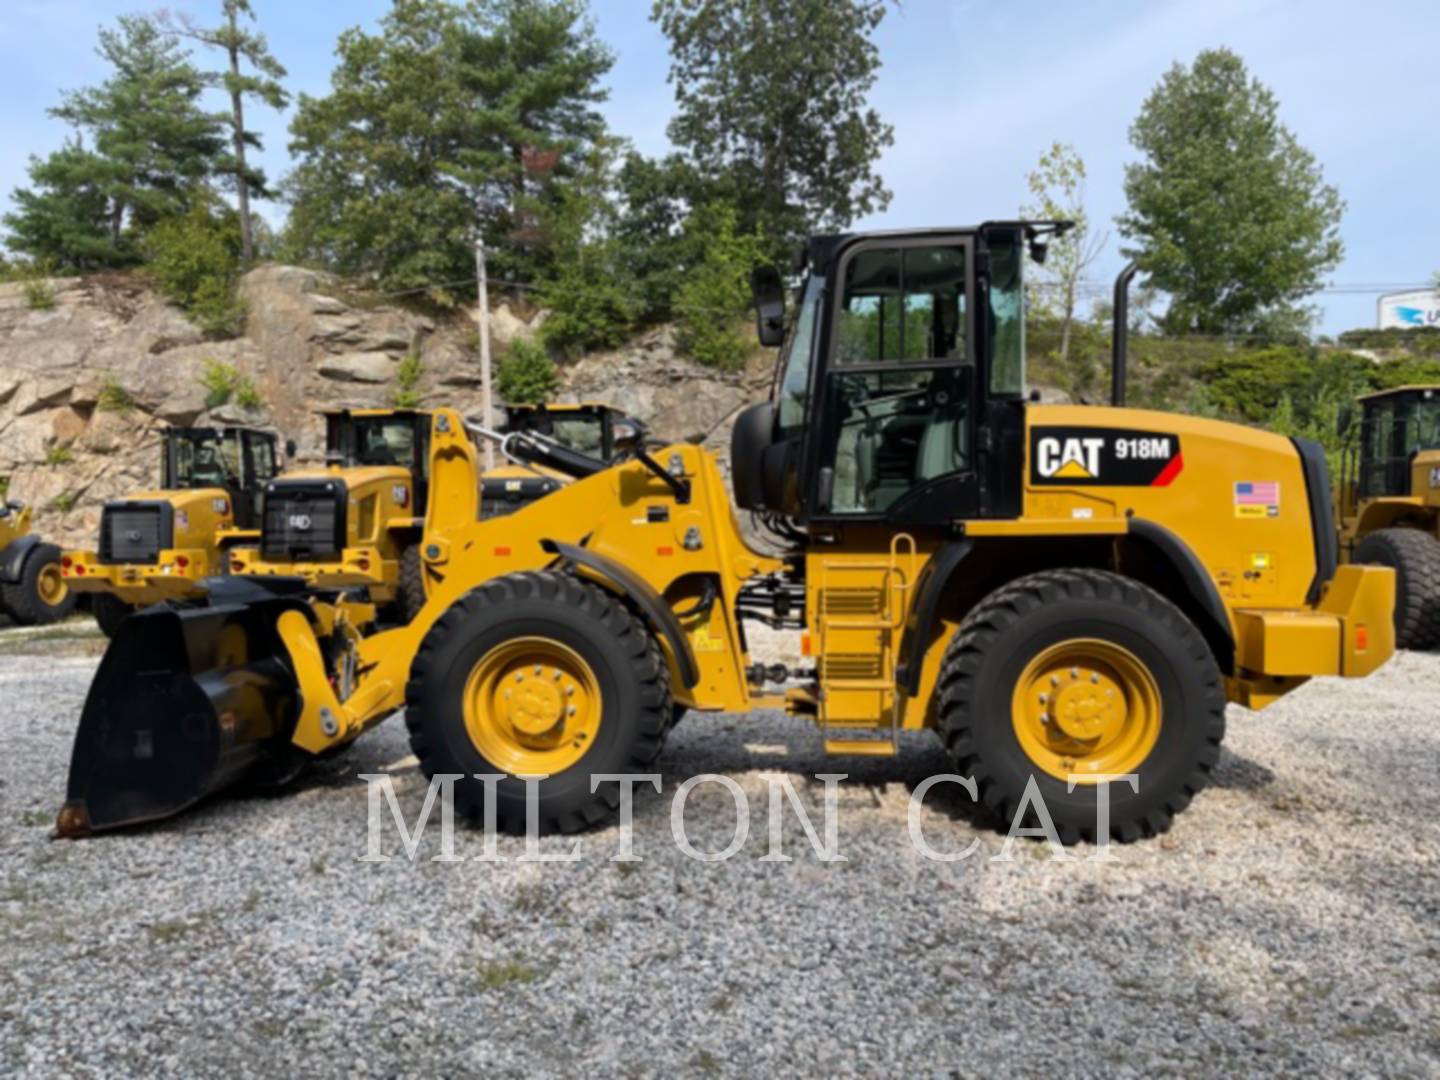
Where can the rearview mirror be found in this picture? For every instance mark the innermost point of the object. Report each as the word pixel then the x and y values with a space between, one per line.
pixel 627 432
pixel 769 293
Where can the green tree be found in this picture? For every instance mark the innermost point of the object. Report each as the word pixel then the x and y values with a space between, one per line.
pixel 711 304
pixel 527 376
pixel 241 46
pixel 772 108
pixel 145 144
pixel 1057 186
pixel 63 218
pixel 653 250
pixel 1228 213
pixel 585 291
pixel 449 120
pixel 532 72
pixel 195 260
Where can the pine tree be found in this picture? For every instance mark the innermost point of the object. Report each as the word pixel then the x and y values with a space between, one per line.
pixel 240 44
pixel 143 145
pixel 772 108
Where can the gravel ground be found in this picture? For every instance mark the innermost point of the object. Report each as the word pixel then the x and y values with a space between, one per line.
pixel 1287 923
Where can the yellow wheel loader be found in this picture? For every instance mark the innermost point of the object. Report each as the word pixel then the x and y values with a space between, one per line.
pixel 159 545
pixel 33 591
pixel 1388 503
pixel 362 520
pixel 1062 594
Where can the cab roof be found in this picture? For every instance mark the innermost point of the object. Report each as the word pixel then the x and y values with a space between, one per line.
pixel 375 412
pixel 1395 391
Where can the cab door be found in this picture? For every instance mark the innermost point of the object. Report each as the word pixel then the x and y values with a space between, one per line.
pixel 896 439
pixel 260 468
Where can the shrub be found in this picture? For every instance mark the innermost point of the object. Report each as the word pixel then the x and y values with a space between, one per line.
pixel 113 398
pixel 715 295
pixel 247 395
pixel 219 381
pixel 527 376
pixel 407 382
pixel 196 260
pixel 64 502
pixel 39 296
pixel 588 306
pixel 59 455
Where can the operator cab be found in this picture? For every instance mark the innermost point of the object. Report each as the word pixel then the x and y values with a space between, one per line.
pixel 589 428
pixel 238 460
pixel 382 438
pixel 1395 425
pixel 899 395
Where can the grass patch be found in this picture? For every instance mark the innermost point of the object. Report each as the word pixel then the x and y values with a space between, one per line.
pixel 219 380
pixel 33 819
pixel 495 975
pixel 39 296
pixel 247 396
pixel 114 398
pixel 59 455
pixel 64 502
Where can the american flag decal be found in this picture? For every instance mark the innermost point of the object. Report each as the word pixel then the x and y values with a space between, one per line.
pixel 1257 499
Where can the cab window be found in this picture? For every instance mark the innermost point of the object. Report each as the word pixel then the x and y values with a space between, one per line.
pixel 793 391
pixel 896 412
pixel 1006 314
pixel 385 441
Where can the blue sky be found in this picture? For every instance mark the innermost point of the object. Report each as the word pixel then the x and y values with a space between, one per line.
pixel 976 90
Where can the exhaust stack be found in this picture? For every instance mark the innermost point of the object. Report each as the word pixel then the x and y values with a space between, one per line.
pixel 1120 336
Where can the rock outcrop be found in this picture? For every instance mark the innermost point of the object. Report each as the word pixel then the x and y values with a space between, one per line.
pixel 87 383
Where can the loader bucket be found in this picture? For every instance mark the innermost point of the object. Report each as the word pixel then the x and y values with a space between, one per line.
pixel 187 701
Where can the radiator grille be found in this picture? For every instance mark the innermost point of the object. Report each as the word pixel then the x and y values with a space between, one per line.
pixel 304 520
pixel 132 532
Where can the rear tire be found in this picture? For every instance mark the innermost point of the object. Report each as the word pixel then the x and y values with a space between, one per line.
pixel 576 633
pixel 41 596
pixel 109 611
pixel 1415 558
pixel 1167 732
pixel 410 589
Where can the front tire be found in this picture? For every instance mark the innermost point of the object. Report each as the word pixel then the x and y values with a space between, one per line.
pixel 1081 673
pixel 538 673
pixel 41 596
pixel 1415 558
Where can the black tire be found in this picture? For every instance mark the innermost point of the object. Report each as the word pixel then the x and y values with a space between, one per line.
pixel 989 653
pixel 109 611
pixel 1415 558
pixel 26 601
pixel 410 589
pixel 628 667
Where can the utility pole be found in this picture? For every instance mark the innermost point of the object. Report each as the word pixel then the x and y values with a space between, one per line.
pixel 487 401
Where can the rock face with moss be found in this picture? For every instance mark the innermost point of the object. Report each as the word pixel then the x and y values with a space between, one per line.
pixel 90 377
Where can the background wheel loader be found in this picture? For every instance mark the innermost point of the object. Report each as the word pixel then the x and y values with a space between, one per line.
pixel 362 521
pixel 1387 507
pixel 158 545
pixel 1061 593
pixel 33 591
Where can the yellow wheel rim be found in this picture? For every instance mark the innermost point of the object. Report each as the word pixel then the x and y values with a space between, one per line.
pixel 52 586
pixel 533 706
pixel 1086 708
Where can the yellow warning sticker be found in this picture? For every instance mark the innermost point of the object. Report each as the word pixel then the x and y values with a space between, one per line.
pixel 701 641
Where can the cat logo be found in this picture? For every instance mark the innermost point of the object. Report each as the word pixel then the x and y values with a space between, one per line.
pixel 1069 459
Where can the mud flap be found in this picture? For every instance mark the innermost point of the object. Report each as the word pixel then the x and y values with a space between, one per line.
pixel 187 700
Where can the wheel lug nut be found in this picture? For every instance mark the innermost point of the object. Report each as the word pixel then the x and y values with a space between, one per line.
pixel 1074 673
pixel 1094 678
